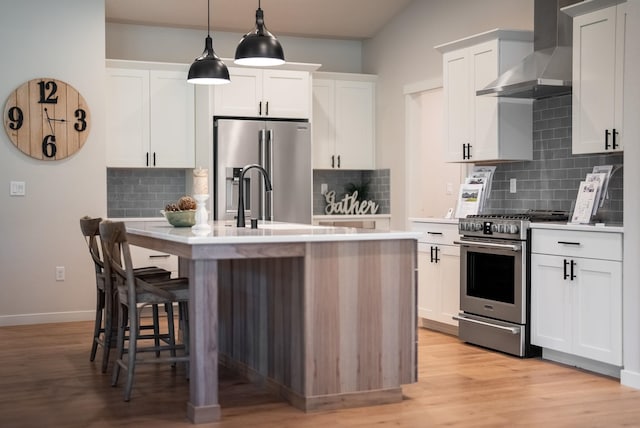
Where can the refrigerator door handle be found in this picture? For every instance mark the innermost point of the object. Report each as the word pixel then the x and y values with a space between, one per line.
pixel 268 166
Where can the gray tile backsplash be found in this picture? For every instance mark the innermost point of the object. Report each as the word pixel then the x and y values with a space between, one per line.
pixel 551 179
pixel 336 179
pixel 142 192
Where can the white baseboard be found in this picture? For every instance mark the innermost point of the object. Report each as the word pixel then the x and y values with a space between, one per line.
pixel 580 362
pixel 46 318
pixel 630 379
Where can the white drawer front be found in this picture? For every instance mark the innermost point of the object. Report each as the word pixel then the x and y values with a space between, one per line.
pixel 436 233
pixel 592 245
pixel 142 257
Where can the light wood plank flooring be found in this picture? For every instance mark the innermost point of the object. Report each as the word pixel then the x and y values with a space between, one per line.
pixel 46 380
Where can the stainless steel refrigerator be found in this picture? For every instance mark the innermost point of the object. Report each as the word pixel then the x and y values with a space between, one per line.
pixel 283 149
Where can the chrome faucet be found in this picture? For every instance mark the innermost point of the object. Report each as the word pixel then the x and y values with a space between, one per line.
pixel 267 184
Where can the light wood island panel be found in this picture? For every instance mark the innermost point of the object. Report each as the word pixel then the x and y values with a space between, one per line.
pixel 326 317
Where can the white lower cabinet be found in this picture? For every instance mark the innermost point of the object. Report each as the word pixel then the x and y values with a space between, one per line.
pixel 438 275
pixel 143 257
pixel 576 293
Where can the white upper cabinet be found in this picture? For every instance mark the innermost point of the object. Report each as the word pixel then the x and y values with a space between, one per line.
pixel 598 70
pixel 271 93
pixel 150 115
pixel 343 121
pixel 485 128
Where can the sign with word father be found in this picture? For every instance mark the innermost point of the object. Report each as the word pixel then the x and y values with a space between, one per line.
pixel 349 205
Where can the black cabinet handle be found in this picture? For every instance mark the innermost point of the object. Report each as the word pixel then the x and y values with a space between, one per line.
pixel 338 161
pixel 154 158
pixel 434 255
pixel 615 145
pixel 147 161
pixel 466 151
pixel 606 139
pixel 434 233
pixel 266 112
pixel 568 243
pixel 564 270
pixel 333 163
pixel 260 108
pixel 573 264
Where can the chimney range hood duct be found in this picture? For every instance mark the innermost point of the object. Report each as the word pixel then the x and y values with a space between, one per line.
pixel 547 71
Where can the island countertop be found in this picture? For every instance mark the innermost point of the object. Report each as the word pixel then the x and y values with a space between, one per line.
pixel 225 232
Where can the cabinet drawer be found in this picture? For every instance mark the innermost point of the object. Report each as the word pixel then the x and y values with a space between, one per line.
pixel 142 257
pixel 436 233
pixel 593 245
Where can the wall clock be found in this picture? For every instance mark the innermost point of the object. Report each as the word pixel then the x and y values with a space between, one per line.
pixel 47 119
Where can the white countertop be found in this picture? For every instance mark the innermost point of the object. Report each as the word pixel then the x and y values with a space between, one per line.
pixel 612 228
pixel 225 232
pixel 434 220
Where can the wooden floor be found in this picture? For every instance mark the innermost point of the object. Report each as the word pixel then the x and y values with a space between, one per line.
pixel 46 380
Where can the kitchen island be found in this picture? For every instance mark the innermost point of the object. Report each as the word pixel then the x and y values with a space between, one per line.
pixel 324 316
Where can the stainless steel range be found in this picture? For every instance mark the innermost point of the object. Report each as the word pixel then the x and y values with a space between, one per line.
pixel 495 280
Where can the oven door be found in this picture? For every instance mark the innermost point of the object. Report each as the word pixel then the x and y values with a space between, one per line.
pixel 493 278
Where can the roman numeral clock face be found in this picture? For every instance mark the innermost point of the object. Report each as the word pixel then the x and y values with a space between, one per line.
pixel 47 119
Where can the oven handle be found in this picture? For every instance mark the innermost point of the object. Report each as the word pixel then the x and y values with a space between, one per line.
pixel 513 247
pixel 512 330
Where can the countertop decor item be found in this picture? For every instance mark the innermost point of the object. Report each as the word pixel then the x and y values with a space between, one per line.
pixel 47 119
pixel 185 218
pixel 208 68
pixel 259 48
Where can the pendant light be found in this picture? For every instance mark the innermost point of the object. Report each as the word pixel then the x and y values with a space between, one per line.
pixel 208 68
pixel 259 48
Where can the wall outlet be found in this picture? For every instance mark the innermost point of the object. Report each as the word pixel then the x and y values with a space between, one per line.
pixel 60 273
pixel 512 185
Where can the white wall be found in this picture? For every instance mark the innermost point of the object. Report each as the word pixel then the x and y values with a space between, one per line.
pixel 402 53
pixel 64 40
pixel 146 43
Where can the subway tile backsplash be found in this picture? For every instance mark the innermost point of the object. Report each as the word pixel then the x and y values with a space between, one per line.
pixel 551 179
pixel 337 180
pixel 142 192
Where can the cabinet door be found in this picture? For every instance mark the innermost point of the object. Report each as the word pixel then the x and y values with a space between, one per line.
pixel 127 117
pixel 428 290
pixel 597 320
pixel 483 63
pixel 449 283
pixel 456 103
pixel 354 119
pixel 594 80
pixel 172 120
pixel 241 97
pixel 323 125
pixel 551 303
pixel 286 93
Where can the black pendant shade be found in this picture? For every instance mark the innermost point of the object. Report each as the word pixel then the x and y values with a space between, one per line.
pixel 259 47
pixel 208 68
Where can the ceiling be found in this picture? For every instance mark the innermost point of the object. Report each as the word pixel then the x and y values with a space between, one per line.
pixel 339 19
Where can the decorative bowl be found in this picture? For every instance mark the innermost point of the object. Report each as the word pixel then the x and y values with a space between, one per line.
pixel 185 218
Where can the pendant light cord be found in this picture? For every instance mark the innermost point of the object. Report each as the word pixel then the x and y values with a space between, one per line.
pixel 209 17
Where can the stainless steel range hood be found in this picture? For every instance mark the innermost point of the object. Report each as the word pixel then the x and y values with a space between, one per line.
pixel 547 71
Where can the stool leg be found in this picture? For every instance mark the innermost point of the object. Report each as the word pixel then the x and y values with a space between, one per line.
pixel 110 304
pixel 97 326
pixel 122 317
pixel 171 327
pixel 156 328
pixel 134 323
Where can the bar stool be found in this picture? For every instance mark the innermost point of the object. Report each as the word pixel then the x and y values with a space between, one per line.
pixel 105 292
pixel 135 292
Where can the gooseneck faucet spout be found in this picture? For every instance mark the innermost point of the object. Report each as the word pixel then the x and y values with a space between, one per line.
pixel 267 185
